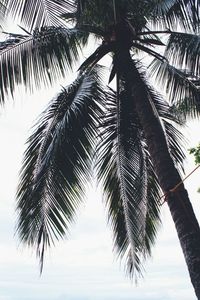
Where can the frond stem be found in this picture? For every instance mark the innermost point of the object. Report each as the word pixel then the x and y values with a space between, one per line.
pixel 120 158
pixel 155 32
pixel 16 45
pixel 114 12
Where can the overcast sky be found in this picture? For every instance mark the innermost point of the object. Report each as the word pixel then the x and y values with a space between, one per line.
pixel 83 267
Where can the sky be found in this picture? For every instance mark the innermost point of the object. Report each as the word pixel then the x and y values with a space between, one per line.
pixel 84 265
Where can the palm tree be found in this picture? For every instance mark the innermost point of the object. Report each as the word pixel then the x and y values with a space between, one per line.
pixel 126 134
pixel 3 7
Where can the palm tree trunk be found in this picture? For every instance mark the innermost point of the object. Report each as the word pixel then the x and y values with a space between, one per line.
pixel 178 201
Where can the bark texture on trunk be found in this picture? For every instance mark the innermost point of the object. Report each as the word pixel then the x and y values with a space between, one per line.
pixel 178 201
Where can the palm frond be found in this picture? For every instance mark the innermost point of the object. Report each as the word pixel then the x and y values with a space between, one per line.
pixel 3 10
pixel 167 115
pixel 37 59
pixel 99 53
pixel 11 40
pixel 57 163
pixel 148 51
pixel 174 13
pixel 183 51
pixel 176 144
pixel 129 182
pixel 151 41
pixel 170 118
pixel 160 8
pixel 40 13
pixel 182 89
pixel 125 168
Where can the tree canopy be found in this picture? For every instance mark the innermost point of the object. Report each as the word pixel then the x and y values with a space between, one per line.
pixel 128 133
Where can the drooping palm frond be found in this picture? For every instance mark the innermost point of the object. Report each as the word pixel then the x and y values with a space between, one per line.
pixel 180 87
pixel 176 144
pixel 40 13
pixel 37 59
pixel 57 163
pixel 99 53
pixel 170 117
pixel 129 182
pixel 183 51
pixel 162 7
pixel 148 50
pixel 171 13
pixel 125 169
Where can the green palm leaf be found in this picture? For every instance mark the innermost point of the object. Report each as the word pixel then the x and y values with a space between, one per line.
pixel 3 9
pixel 170 118
pixel 183 51
pixel 43 12
pixel 37 59
pixel 57 163
pixel 129 182
pixel 160 8
pixel 171 13
pixel 182 89
pixel 125 169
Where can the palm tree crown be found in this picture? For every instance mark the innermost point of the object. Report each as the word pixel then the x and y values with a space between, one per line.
pixel 89 124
